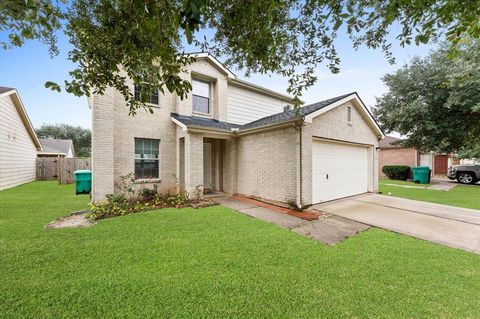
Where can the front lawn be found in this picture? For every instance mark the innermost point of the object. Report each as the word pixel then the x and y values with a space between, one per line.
pixel 467 196
pixel 215 263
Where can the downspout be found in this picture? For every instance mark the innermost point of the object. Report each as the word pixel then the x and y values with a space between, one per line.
pixel 299 169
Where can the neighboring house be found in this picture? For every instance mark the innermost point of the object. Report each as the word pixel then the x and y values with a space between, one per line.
pixel 393 153
pixel 235 137
pixel 56 148
pixel 18 141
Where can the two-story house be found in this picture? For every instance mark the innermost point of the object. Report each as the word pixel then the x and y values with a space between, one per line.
pixel 236 137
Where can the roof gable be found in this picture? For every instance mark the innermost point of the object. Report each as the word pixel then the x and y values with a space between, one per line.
pixel 56 146
pixel 352 97
pixel 13 94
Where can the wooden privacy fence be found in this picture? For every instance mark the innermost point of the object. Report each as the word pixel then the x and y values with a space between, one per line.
pixel 61 169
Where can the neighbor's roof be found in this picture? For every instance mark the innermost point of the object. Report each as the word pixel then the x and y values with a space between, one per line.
pixel 4 89
pixel 286 116
pixel 55 146
pixel 13 94
pixel 390 142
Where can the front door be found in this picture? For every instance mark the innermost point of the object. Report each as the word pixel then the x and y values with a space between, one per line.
pixel 207 166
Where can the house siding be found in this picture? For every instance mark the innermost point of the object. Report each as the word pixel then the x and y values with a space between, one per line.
pixel 17 150
pixel 244 106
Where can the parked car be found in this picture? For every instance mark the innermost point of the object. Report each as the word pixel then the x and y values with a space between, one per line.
pixel 465 174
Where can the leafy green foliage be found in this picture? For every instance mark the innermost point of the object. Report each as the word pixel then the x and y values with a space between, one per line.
pixel 399 172
pixel 114 40
pixel 434 101
pixel 81 137
pixel 119 204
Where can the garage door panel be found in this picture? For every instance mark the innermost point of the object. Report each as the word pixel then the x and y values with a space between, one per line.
pixel 338 170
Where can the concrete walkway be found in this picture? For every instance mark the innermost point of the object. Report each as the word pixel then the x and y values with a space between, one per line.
pixel 327 229
pixel 446 225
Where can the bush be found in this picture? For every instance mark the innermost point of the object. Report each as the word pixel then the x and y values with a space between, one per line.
pixel 119 204
pixel 399 172
pixel 148 194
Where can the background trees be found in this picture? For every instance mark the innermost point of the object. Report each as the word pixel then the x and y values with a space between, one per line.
pixel 80 136
pixel 435 101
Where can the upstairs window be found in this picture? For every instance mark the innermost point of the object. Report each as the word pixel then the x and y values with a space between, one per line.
pixel 147 159
pixel 139 91
pixel 201 96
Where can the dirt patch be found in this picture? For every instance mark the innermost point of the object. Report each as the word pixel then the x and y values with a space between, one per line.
pixel 76 219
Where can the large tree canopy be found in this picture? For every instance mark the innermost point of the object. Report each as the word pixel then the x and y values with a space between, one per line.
pixel 288 37
pixel 435 101
pixel 81 137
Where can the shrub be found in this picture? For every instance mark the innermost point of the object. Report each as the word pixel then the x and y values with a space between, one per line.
pixel 399 172
pixel 148 194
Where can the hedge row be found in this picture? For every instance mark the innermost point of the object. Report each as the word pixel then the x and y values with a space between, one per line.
pixel 399 172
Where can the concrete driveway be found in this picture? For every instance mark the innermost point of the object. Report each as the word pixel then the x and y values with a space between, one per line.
pixel 446 225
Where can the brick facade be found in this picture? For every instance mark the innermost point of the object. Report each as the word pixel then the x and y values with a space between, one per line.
pixel 396 156
pixel 274 165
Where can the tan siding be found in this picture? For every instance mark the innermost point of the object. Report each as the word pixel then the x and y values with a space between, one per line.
pixel 17 151
pixel 245 106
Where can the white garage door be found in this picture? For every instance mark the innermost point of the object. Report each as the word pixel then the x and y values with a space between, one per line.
pixel 338 170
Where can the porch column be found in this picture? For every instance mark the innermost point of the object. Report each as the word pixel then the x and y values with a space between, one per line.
pixel 193 162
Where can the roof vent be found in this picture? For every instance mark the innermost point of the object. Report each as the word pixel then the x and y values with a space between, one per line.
pixel 287 108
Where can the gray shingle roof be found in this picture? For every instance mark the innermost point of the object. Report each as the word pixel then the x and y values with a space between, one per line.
pixel 285 116
pixel 390 142
pixel 293 114
pixel 50 145
pixel 4 89
pixel 204 122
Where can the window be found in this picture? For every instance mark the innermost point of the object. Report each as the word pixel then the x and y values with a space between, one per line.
pixel 147 158
pixel 201 96
pixel 349 115
pixel 153 99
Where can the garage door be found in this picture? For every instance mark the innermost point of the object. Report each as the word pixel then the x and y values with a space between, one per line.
pixel 338 170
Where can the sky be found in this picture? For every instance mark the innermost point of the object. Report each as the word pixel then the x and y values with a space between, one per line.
pixel 27 68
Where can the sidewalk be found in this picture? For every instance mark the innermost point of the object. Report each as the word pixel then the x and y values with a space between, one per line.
pixel 325 228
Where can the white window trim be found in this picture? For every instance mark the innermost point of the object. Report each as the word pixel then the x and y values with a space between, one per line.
pixel 210 107
pixel 349 115
pixel 148 103
pixel 153 179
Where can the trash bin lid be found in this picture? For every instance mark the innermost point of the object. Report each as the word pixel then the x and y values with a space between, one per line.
pixel 82 171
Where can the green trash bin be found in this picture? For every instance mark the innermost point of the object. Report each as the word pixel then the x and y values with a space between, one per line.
pixel 421 174
pixel 83 181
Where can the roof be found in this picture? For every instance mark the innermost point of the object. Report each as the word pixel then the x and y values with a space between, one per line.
pixel 203 122
pixel 12 92
pixel 55 146
pixel 232 78
pixel 390 142
pixel 4 89
pixel 293 114
pixel 286 116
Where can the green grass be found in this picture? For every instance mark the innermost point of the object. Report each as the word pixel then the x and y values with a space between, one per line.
pixel 215 263
pixel 461 196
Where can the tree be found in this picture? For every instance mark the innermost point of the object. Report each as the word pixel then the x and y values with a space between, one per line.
pixel 81 137
pixel 435 101
pixel 288 37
